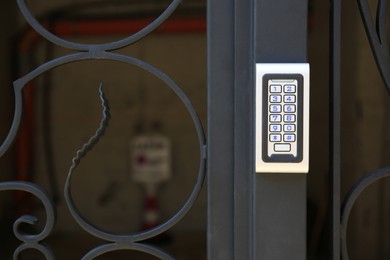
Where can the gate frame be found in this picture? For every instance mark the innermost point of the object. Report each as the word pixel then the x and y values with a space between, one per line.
pixel 250 216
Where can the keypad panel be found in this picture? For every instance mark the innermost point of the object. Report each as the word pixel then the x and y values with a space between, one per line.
pixel 283 113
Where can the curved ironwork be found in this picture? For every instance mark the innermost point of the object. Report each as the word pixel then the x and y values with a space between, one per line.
pixel 32 241
pixel 350 200
pixel 131 238
pixel 96 52
pixel 88 47
pixel 377 35
pixel 99 132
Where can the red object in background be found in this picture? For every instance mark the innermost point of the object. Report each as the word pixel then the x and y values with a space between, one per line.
pixel 151 212
pixel 125 26
pixel 25 149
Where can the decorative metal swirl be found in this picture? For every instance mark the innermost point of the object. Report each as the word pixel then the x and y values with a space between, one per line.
pixel 129 241
pixel 98 52
pixel 350 200
pixel 32 241
pixel 99 132
pixel 377 35
pixel 89 47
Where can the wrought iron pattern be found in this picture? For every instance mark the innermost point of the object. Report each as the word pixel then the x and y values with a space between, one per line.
pixel 377 35
pixel 351 198
pixel 32 241
pixel 95 52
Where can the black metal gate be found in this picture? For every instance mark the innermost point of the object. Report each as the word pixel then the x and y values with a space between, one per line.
pixel 250 215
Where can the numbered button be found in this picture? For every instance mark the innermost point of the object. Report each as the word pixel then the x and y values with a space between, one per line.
pixel 275 128
pixel 275 88
pixel 289 88
pixel 275 98
pixel 275 108
pixel 275 118
pixel 289 108
pixel 289 128
pixel 289 98
pixel 289 118
pixel 275 138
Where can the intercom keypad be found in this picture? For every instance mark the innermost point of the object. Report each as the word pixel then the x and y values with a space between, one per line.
pixel 282 117
pixel 282 93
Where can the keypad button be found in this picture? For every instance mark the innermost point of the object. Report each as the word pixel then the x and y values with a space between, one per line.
pixel 282 147
pixel 289 137
pixel 275 88
pixel 289 98
pixel 275 98
pixel 289 128
pixel 275 118
pixel 289 108
pixel 275 108
pixel 289 118
pixel 275 138
pixel 289 88
pixel 275 128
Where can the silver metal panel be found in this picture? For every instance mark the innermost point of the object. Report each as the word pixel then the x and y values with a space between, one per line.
pixel 282 167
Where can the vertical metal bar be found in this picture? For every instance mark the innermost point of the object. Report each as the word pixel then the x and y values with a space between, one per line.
pixel 334 124
pixel 280 216
pixel 220 128
pixel 230 129
pixel 244 166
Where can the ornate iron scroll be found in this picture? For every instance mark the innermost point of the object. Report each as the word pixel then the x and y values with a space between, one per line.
pixel 95 52
pixel 32 241
pixel 377 35
pixel 350 200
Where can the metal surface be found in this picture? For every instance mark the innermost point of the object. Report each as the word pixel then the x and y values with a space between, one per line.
pixel 32 241
pixel 350 200
pixel 303 118
pixel 281 198
pixel 95 52
pixel 220 100
pixel 377 35
pixel 250 216
pixel 230 129
pixel 334 128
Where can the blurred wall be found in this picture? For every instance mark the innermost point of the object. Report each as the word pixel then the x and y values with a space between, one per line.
pixel 8 28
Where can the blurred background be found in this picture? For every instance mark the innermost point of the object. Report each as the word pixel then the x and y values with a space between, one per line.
pixel 63 111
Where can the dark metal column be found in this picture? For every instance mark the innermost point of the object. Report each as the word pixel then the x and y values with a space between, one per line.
pixel 334 126
pixel 281 35
pixel 230 129
pixel 250 216
pixel 220 132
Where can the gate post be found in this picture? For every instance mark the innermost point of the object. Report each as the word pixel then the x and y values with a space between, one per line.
pixel 280 214
pixel 250 216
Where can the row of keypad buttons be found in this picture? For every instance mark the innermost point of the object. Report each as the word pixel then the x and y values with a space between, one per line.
pixel 278 137
pixel 278 128
pixel 278 88
pixel 278 108
pixel 278 118
pixel 278 98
